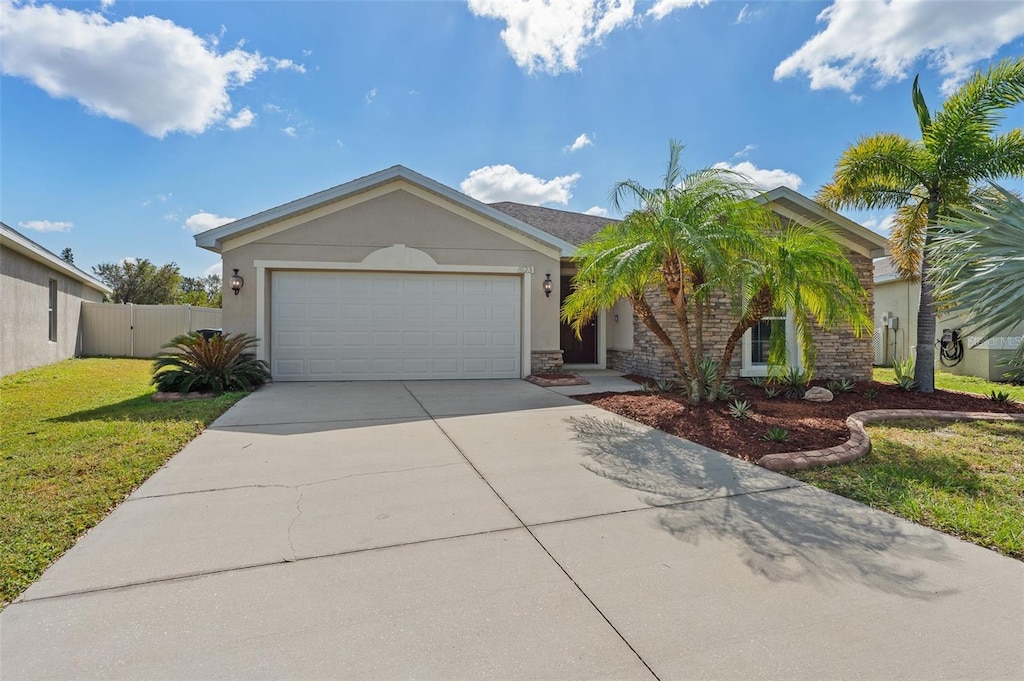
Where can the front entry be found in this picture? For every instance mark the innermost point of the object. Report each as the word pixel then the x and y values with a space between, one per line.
pixel 582 350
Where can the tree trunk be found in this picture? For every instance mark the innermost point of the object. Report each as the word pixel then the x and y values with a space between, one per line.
pixel 924 362
pixel 760 306
pixel 672 275
pixel 646 315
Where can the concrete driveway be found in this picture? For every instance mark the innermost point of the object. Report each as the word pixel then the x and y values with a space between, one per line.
pixel 494 529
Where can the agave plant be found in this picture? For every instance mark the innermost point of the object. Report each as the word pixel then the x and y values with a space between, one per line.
pixel 190 363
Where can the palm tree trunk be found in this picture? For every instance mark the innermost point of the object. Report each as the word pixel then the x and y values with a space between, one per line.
pixel 646 315
pixel 924 363
pixel 760 306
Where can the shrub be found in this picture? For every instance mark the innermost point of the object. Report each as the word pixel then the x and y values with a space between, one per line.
pixel 771 393
pixel 843 385
pixel 904 372
pixel 756 381
pixel 189 363
pixel 740 409
pixel 871 393
pixel 776 435
pixel 794 382
pixel 1001 397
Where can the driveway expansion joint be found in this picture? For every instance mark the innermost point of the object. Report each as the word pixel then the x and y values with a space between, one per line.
pixel 537 540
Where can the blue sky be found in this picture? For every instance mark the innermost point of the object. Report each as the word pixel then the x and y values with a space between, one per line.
pixel 127 126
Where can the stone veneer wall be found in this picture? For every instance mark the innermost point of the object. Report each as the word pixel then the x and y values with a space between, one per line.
pixel 545 361
pixel 840 354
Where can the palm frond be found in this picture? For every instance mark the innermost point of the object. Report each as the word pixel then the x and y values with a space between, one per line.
pixel 880 171
pixel 978 265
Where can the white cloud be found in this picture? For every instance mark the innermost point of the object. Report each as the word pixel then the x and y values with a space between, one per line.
pixel 886 39
pixel 106 4
pixel 505 183
pixel 125 261
pixel 146 71
pixel 371 95
pixel 290 131
pixel 243 119
pixel 745 151
pixel 881 224
pixel 747 15
pixel 171 217
pixel 579 143
pixel 597 210
pixel 341 145
pixel 763 177
pixel 287 65
pixel 856 99
pixel 272 108
pixel 550 35
pixel 47 225
pixel 200 222
pixel 662 8
pixel 215 268
pixel 306 53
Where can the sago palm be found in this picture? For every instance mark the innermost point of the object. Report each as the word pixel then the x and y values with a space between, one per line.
pixel 960 148
pixel 979 266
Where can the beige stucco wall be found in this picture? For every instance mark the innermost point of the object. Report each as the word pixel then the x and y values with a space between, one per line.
pixel 902 299
pixel 619 326
pixel 24 313
pixel 351 233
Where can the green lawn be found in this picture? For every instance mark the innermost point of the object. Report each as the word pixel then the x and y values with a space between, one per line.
pixel 964 384
pixel 964 478
pixel 77 438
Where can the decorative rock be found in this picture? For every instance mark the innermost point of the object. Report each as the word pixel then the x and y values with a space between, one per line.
pixel 817 394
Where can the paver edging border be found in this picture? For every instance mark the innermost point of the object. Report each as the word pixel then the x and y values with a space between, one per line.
pixel 859 443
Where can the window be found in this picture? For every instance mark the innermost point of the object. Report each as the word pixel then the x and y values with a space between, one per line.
pixel 53 310
pixel 757 345
pixel 760 337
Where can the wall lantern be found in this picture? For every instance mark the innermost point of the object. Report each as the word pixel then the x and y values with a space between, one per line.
pixel 548 285
pixel 236 282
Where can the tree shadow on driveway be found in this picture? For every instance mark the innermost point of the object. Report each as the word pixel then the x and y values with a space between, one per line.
pixel 782 529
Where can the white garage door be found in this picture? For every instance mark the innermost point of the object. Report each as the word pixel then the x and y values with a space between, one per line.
pixel 341 326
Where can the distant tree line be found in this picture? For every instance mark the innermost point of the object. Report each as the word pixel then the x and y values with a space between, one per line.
pixel 144 283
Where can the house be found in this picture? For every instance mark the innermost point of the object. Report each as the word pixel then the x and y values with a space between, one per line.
pixel 396 276
pixel 896 305
pixel 40 304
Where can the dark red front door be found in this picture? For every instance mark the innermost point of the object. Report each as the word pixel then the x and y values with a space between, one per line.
pixel 582 350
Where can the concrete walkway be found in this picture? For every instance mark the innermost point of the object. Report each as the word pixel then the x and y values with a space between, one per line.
pixel 495 529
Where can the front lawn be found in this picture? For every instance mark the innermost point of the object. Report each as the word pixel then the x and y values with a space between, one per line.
pixel 965 478
pixel 964 384
pixel 78 437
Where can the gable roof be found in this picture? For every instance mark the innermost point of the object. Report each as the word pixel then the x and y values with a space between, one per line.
pixel 214 239
pixel 793 204
pixel 572 227
pixel 19 243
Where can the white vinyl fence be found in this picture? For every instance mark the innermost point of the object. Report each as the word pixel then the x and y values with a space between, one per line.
pixel 139 330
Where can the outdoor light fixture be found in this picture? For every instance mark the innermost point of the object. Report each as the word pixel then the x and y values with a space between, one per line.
pixel 236 282
pixel 548 286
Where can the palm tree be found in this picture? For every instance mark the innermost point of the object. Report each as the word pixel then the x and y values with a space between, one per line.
pixel 978 260
pixel 923 179
pixel 696 238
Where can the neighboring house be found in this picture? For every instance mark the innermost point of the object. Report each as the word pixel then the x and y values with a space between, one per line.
pixel 40 304
pixel 896 305
pixel 396 276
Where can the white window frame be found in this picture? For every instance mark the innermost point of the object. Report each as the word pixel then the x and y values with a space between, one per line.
pixel 793 354
pixel 52 292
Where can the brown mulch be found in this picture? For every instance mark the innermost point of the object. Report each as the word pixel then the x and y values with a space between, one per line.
pixel 553 379
pixel 811 425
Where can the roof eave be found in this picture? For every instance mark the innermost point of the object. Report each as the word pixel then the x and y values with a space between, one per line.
pixel 874 244
pixel 214 239
pixel 24 246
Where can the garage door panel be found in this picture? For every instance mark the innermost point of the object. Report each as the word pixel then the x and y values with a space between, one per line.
pixel 361 325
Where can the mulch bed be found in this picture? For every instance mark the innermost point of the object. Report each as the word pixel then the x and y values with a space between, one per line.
pixel 811 425
pixel 551 380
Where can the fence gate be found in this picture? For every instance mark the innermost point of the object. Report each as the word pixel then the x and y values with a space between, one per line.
pixel 139 330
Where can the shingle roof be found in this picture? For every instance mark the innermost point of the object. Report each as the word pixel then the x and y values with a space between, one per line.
pixel 885 267
pixel 566 225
